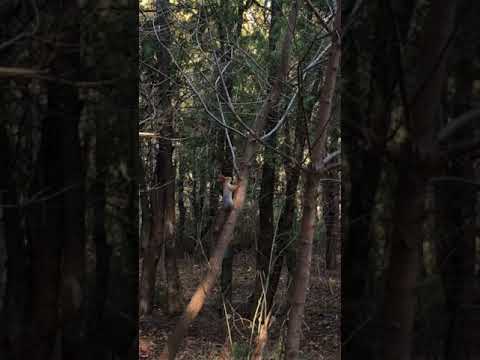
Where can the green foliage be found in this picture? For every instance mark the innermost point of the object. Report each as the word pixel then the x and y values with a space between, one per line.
pixel 240 351
pixel 149 47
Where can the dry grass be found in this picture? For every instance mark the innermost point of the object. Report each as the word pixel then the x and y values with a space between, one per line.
pixel 208 336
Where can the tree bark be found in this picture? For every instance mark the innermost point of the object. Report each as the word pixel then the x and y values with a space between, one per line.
pixel 56 223
pixel 305 242
pixel 17 292
pixel 331 219
pixel 455 237
pixel 267 189
pixel 146 219
pixel 182 210
pixel 364 135
pixel 284 248
pixel 415 165
pixel 162 199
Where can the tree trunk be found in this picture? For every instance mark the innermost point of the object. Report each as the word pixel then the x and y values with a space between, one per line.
pixel 331 218
pixel 111 49
pixel 416 164
pixel 17 292
pixel 305 242
pixel 182 211
pixel 56 224
pixel 226 234
pixel 146 219
pixel 103 250
pixel 284 249
pixel 364 134
pixel 455 239
pixel 73 269
pixel 267 188
pixel 175 301
pixel 162 199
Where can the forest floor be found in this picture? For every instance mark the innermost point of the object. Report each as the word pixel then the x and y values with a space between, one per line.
pixel 208 338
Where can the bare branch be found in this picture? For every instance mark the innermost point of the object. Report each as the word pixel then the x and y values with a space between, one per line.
pixel 457 124
pixel 318 15
pixel 190 83
pixel 19 72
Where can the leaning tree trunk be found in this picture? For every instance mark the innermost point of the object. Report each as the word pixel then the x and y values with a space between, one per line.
pixel 226 234
pixel 305 242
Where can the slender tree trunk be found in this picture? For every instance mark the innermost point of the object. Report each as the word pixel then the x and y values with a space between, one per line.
pixel 153 247
pixel 17 293
pixel 456 215
pixel 73 269
pixel 163 199
pixel 182 211
pixel 417 162
pixel 162 234
pixel 56 224
pixel 103 250
pixel 47 232
pixel 284 249
pixel 305 242
pixel 198 299
pixel 175 299
pixel 404 266
pixel 359 191
pixel 3 252
pixel 73 261
pixel 145 208
pixel 231 19
pixel 331 218
pixel 267 188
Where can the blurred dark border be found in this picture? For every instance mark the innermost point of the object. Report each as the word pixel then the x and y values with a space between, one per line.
pixel 411 177
pixel 68 186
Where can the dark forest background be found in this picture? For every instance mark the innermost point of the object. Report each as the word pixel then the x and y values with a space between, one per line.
pixel 68 187
pixel 410 224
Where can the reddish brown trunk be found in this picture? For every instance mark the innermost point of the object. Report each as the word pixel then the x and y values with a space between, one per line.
pixel 302 267
pixel 304 248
